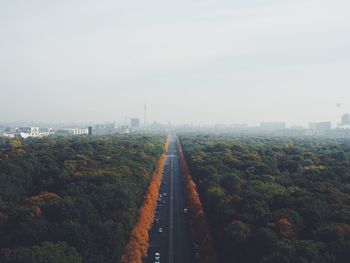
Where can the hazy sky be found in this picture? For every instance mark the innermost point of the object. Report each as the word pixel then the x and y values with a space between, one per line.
pixel 191 61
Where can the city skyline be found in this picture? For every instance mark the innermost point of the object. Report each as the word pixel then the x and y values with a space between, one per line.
pixel 135 121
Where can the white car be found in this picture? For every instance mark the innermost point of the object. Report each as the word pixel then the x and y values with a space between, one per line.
pixel 157 256
pixel 160 230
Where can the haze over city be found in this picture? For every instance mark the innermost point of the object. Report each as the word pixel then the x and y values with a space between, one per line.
pixel 189 61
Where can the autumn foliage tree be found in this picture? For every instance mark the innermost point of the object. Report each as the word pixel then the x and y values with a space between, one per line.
pixel 200 227
pixel 137 246
pixel 284 227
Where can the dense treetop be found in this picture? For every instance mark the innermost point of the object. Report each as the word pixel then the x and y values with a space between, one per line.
pixel 274 200
pixel 72 199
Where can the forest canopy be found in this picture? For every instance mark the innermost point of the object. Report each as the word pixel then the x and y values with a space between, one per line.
pixel 272 199
pixel 72 199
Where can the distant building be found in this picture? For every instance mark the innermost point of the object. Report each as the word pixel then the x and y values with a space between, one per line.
pixel 75 131
pixel 320 126
pixel 135 123
pixel 26 132
pixel 6 134
pixel 46 131
pixel 273 126
pixel 34 131
pixel 345 119
pixel 90 130
pixel 10 129
pixel 79 131
pixel 23 130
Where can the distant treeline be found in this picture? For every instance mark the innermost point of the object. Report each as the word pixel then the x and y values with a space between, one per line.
pixel 72 199
pixel 274 200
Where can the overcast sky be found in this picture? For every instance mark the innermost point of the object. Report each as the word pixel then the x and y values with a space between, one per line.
pixel 200 61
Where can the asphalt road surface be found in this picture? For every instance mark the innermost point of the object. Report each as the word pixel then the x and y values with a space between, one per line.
pixel 174 242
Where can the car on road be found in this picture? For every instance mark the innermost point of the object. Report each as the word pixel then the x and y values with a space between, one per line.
pixel 185 211
pixel 160 230
pixel 157 256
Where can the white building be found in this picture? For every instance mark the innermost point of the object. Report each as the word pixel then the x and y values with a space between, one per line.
pixel 79 131
pixel 9 135
pixel 26 132
pixel 73 131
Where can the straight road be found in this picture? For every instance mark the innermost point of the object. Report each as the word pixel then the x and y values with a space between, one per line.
pixel 173 243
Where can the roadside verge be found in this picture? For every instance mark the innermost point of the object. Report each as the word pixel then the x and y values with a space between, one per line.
pixel 205 252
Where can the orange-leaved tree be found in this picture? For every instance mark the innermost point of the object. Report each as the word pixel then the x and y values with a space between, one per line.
pixel 137 246
pixel 200 227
